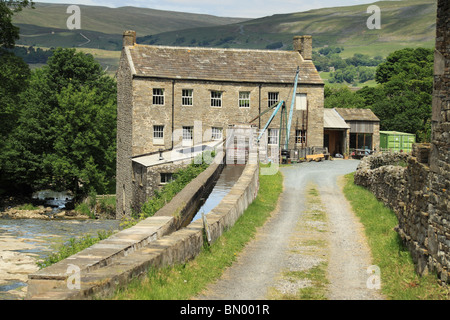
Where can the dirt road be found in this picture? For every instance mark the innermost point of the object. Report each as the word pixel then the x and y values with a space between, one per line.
pixel 284 243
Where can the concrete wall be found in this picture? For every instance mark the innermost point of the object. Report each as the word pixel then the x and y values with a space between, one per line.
pixel 128 254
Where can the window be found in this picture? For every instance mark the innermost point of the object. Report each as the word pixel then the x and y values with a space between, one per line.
pixel 158 134
pixel 361 141
pixel 273 136
pixel 301 102
pixel 300 136
pixel 217 133
pixel 158 97
pixel 216 99
pixel 244 99
pixel 188 133
pixel 273 98
pixel 187 97
pixel 166 178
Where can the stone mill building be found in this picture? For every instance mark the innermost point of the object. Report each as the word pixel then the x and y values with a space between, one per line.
pixel 169 97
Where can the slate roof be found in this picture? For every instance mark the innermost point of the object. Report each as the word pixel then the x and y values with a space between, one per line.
pixel 236 65
pixel 354 114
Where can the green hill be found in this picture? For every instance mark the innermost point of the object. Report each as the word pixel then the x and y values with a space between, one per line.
pixel 404 23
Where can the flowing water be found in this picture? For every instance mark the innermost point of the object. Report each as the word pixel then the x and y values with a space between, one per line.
pixel 23 242
pixel 226 181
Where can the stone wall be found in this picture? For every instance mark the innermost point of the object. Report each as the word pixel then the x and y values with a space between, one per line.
pixel 124 139
pixel 173 115
pixel 419 194
pixel 402 183
pixel 152 243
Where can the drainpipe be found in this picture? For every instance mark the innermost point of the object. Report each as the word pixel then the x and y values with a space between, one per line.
pixel 259 107
pixel 173 109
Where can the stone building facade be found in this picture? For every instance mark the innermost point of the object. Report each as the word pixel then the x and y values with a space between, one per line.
pixel 174 97
pixel 419 190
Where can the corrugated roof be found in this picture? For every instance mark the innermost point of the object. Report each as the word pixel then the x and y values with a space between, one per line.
pixel 237 65
pixel 354 114
pixel 332 120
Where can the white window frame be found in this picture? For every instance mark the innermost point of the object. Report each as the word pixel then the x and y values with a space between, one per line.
pixel 301 101
pixel 300 136
pixel 158 97
pixel 158 134
pixel 187 97
pixel 272 98
pixel 216 133
pixel 273 136
pixel 216 99
pixel 188 136
pixel 166 177
pixel 244 99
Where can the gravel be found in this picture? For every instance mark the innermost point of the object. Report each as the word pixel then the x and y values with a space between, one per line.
pixel 280 245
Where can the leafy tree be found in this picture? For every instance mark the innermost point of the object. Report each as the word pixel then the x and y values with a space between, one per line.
pixel 65 135
pixel 8 32
pixel 342 98
pixel 407 63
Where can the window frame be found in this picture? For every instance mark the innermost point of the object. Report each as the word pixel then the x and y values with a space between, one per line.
pixel 216 102
pixel 271 100
pixel 186 99
pixel 270 136
pixel 244 102
pixel 158 98
pixel 214 133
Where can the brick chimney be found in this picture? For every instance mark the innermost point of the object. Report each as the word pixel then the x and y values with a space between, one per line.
pixel 129 38
pixel 303 44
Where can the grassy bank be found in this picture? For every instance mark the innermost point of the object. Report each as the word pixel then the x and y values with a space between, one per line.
pixel 187 280
pixel 399 281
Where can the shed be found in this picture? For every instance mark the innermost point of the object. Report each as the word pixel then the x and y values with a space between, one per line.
pixel 396 141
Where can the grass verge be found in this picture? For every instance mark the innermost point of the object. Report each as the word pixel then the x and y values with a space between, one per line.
pixel 183 281
pixel 399 281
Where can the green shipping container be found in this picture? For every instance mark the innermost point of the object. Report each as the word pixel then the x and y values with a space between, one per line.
pixel 396 141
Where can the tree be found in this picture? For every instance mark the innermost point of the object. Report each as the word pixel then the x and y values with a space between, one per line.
pixel 65 137
pixel 342 98
pixel 403 99
pixel 407 63
pixel 8 32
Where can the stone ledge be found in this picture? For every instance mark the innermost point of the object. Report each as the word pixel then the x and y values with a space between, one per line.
pixel 177 247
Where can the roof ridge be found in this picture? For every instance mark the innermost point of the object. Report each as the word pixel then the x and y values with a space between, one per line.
pixel 217 49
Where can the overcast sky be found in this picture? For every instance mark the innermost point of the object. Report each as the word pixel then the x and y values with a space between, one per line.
pixel 223 8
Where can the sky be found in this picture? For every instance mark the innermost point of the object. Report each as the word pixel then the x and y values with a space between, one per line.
pixel 223 8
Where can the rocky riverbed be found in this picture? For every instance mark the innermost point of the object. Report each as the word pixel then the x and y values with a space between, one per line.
pixel 27 236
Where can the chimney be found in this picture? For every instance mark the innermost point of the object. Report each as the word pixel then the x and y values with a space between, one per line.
pixel 129 38
pixel 303 44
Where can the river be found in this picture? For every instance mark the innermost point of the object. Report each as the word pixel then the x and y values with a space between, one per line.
pixel 25 241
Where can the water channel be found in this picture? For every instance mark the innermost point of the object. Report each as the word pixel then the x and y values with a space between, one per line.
pixel 25 241
pixel 229 176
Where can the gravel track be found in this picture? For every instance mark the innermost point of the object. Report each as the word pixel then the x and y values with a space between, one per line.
pixel 280 244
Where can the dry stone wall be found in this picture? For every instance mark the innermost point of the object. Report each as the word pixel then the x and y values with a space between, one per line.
pixel 402 182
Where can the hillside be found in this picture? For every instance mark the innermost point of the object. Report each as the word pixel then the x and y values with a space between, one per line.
pixel 405 23
pixel 45 26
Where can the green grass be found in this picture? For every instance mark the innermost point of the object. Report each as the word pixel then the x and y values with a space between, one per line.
pixel 73 246
pixel 184 281
pixel 27 206
pixel 399 280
